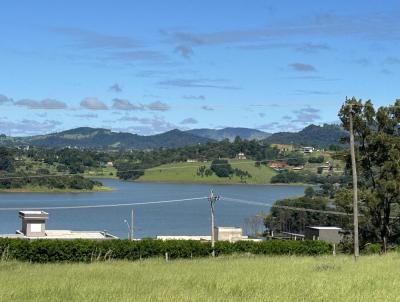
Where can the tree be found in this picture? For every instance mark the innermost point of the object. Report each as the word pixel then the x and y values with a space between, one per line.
pixel 6 160
pixel 283 218
pixel 221 167
pixel 309 192
pixel 378 163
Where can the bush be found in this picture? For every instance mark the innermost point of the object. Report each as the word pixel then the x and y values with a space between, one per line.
pixel 44 250
pixel 316 160
pixel 373 248
pixel 287 177
pixel 221 168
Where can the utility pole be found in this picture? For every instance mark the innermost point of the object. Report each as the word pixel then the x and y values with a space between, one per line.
pixel 355 193
pixel 212 198
pixel 130 226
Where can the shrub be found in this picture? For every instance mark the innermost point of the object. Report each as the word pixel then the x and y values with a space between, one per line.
pixel 44 250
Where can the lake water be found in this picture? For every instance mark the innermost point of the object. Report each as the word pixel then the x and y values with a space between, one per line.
pixel 178 218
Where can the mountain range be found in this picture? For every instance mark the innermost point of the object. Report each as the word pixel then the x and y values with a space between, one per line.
pixel 99 138
pixel 230 133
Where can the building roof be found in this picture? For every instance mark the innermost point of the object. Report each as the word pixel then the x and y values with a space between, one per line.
pixel 324 228
pixel 34 214
pixel 68 234
pixel 63 234
pixel 206 237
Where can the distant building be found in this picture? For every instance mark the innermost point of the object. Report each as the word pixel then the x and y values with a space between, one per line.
pixel 231 234
pixel 191 160
pixel 278 165
pixel 307 149
pixel 110 164
pixel 241 155
pixel 325 233
pixel 298 168
pixel 34 227
pixel 283 148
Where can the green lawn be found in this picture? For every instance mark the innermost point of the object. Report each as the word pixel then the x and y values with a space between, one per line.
pixel 372 278
pixel 104 172
pixel 186 173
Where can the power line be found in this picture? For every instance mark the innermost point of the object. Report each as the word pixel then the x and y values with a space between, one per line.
pixel 105 205
pixel 256 203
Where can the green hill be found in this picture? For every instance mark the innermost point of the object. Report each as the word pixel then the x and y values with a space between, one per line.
pixel 187 173
pixel 86 137
pixel 321 136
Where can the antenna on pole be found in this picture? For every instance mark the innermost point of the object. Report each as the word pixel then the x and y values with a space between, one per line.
pixel 355 189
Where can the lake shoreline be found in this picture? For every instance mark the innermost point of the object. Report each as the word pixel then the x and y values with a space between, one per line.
pixel 217 183
pixel 47 190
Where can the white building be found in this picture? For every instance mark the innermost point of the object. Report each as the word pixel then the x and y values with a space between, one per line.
pixel 34 227
pixel 308 149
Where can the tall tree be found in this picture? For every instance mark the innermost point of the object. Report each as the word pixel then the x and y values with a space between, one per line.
pixel 378 162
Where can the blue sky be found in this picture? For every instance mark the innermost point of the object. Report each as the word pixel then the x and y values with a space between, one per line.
pixel 151 66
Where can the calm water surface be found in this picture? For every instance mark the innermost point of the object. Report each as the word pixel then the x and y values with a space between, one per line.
pixel 181 218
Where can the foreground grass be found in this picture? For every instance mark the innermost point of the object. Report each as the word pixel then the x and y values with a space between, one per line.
pixel 372 278
pixel 187 173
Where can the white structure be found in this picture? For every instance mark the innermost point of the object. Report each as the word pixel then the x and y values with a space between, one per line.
pixel 230 234
pixel 241 155
pixel 33 223
pixel 34 227
pixel 197 238
pixel 308 149
pixel 110 164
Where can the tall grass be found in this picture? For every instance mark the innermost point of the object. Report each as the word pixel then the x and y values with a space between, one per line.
pixel 239 278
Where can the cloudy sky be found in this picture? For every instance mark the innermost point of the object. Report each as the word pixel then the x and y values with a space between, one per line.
pixel 151 66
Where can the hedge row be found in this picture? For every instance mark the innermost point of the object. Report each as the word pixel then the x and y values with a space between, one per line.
pixel 91 250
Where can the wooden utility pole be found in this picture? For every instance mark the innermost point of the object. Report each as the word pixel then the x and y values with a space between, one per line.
pixel 132 224
pixel 355 193
pixel 212 198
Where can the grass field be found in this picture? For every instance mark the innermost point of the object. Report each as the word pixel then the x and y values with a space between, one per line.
pixel 104 172
pixel 372 278
pixel 186 173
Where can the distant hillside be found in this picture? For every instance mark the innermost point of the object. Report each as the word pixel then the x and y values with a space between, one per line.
pixel 230 133
pixel 86 137
pixel 322 136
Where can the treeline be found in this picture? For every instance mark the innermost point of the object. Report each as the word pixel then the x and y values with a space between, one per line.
pixel 74 182
pixel 377 137
pixel 42 251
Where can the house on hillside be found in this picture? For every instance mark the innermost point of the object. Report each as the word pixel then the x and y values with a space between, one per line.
pixel 307 150
pixel 278 165
pixel 109 164
pixel 241 155
pixel 283 148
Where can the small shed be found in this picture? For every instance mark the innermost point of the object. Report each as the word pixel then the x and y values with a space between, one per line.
pixel 33 223
pixel 325 233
